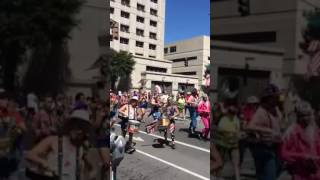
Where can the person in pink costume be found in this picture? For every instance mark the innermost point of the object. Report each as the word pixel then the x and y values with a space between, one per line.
pixel 298 148
pixel 204 112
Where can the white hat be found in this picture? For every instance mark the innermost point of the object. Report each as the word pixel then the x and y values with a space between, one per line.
pixel 80 114
pixel 135 98
pixel 252 100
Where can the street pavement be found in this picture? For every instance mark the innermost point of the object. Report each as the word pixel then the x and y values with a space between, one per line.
pixel 152 161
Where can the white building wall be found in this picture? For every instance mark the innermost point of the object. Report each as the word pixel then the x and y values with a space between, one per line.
pixel 133 24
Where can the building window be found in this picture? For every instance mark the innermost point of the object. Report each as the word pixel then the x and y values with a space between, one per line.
pixel 125 14
pixel 209 58
pixel 111 10
pixel 184 59
pixel 139 54
pixel 154 1
pixel 252 37
pixel 152 56
pixel 153 35
pixel 125 3
pixel 153 12
pixel 140 32
pixel 124 40
pixel 173 49
pixel 156 69
pixel 140 7
pixel 124 28
pixel 140 19
pixel 152 46
pixel 139 44
pixel 187 73
pixel 166 50
pixel 153 23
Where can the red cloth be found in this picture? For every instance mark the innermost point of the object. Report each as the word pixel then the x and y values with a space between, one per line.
pixel 248 112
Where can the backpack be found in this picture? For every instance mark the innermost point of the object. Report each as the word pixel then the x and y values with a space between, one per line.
pixel 8 136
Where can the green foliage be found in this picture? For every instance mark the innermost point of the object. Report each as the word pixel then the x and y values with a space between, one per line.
pixel 116 65
pixel 33 24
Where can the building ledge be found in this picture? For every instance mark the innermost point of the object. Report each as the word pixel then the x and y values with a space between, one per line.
pixel 170 75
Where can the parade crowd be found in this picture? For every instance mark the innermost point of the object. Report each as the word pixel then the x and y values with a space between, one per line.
pixel 282 135
pixel 51 137
pixel 129 108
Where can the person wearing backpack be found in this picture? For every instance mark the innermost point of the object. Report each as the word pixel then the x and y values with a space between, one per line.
pixel 64 156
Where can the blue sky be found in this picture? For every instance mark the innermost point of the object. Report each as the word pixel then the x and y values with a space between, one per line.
pixel 186 19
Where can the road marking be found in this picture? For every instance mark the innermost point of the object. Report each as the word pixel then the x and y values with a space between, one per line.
pixel 137 138
pixel 173 165
pixel 177 142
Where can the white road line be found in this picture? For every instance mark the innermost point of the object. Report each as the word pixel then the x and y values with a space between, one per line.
pixel 173 165
pixel 177 142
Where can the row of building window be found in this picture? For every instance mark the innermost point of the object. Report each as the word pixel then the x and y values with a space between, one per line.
pixel 150 56
pixel 184 59
pixel 138 43
pixel 156 69
pixel 140 7
pixel 172 49
pixel 139 32
pixel 139 18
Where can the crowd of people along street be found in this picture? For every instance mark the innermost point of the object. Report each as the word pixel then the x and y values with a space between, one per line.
pixel 130 109
pixel 281 133
pixel 53 137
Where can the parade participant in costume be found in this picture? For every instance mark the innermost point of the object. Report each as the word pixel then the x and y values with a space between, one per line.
pixel 266 125
pixel 172 112
pixel 298 150
pixel 204 112
pixel 129 112
pixel 181 101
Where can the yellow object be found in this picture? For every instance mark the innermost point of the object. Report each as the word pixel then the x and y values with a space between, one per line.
pixel 164 122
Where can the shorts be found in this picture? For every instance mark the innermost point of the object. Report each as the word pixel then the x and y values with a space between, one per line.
pixel 124 123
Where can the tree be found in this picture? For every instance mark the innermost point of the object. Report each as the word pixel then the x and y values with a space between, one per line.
pixel 121 65
pixel 33 26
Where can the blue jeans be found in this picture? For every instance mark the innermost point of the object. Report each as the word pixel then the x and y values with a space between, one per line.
pixel 193 116
pixel 266 162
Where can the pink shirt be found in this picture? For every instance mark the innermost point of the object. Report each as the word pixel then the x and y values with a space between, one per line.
pixel 204 108
pixel 294 148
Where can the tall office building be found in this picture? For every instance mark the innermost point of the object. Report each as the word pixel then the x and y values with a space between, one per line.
pixel 140 32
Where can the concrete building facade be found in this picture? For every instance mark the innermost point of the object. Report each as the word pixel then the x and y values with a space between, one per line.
pixel 246 64
pixel 189 57
pixel 271 23
pixel 141 33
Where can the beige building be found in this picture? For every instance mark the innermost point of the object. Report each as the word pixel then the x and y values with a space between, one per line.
pixel 141 33
pixel 271 23
pixel 189 57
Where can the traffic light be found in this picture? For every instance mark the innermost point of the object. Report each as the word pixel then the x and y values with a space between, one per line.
pixel 244 7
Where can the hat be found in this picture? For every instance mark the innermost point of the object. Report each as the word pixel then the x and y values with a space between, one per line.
pixel 303 108
pixel 270 90
pixel 189 93
pixel 135 98
pixel 252 100
pixel 81 115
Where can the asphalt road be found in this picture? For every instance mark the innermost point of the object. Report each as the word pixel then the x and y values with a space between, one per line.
pixel 152 161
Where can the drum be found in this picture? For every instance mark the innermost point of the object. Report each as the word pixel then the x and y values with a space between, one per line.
pixel 164 122
pixel 134 126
